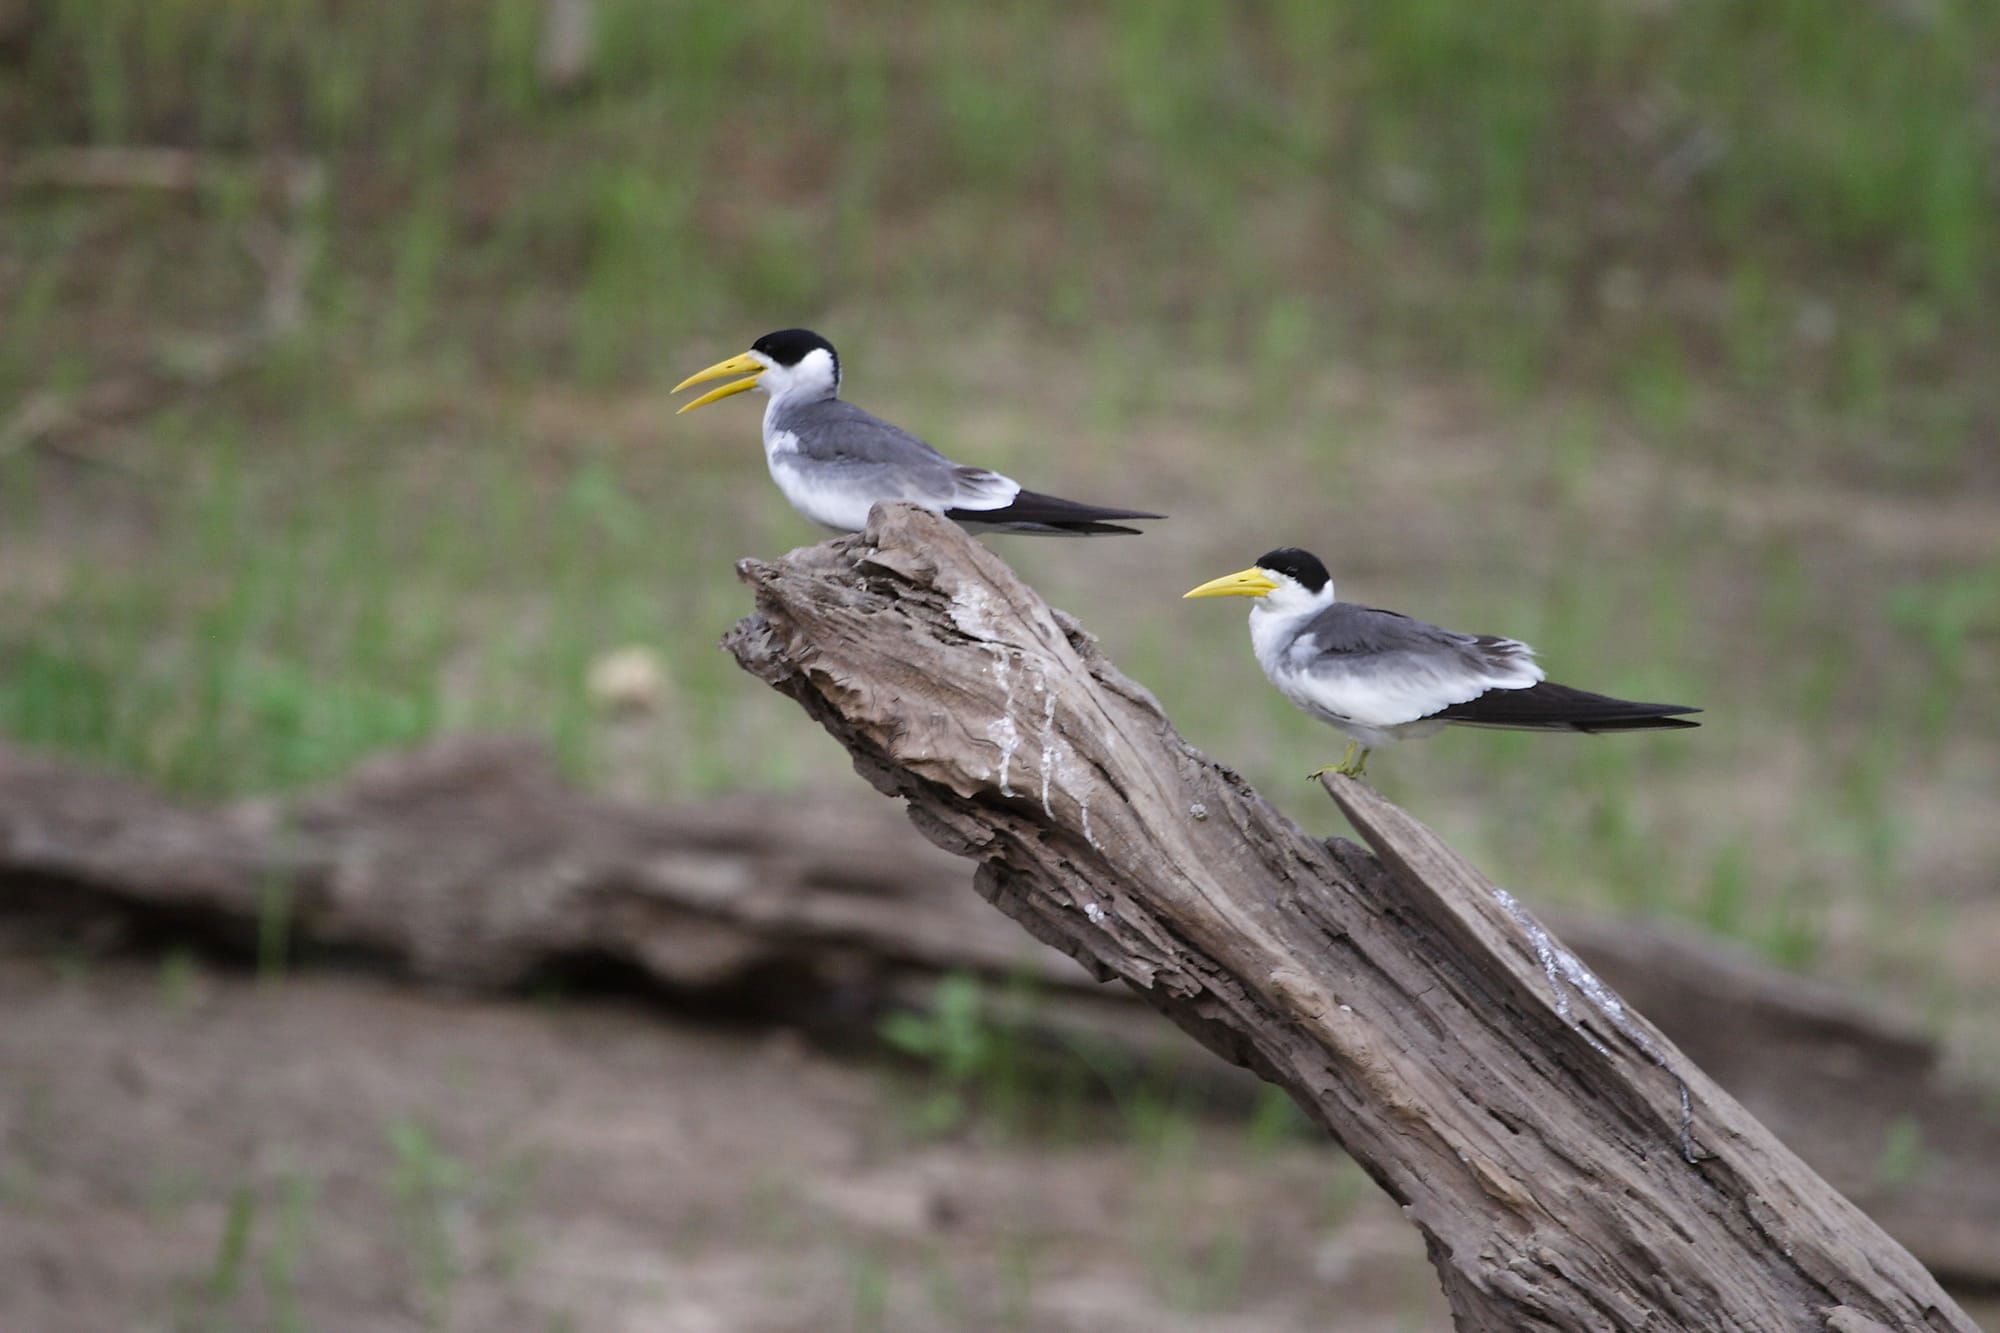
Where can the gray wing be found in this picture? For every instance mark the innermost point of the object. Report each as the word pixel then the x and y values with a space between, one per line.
pixel 850 447
pixel 1352 630
pixel 1384 669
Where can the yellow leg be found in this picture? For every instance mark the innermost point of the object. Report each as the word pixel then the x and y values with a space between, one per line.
pixel 1346 764
pixel 1350 765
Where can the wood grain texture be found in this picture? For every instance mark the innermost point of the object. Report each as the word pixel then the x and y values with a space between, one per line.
pixel 1566 1165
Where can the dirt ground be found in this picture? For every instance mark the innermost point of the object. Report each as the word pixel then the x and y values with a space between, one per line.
pixel 182 1147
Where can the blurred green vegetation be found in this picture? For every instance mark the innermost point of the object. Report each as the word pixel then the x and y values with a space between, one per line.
pixel 1486 184
pixel 1659 334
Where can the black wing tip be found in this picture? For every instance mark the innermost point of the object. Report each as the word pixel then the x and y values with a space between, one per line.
pixel 1031 511
pixel 1100 529
pixel 1656 722
pixel 1547 706
pixel 984 519
pixel 1053 508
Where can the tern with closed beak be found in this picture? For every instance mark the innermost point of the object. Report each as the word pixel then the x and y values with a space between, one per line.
pixel 834 461
pixel 1380 676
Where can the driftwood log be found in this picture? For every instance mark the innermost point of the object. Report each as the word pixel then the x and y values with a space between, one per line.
pixel 1566 1165
pixel 472 863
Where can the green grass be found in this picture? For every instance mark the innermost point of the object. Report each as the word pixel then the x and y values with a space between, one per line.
pixel 431 1189
pixel 260 1248
pixel 232 1247
pixel 452 1218
pixel 966 1051
pixel 1153 162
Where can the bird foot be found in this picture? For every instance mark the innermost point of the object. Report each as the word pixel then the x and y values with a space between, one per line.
pixel 1350 765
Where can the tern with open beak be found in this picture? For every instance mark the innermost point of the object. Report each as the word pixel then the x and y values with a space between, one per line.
pixel 834 461
pixel 1380 676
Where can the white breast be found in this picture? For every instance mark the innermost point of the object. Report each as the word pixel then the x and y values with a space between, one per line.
pixel 841 508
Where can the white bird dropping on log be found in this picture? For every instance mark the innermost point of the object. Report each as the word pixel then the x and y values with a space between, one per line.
pixel 1562 968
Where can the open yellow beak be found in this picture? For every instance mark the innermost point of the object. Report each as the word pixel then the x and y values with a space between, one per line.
pixel 735 365
pixel 1251 582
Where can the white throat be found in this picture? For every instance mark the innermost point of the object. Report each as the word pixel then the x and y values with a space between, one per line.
pixel 1276 616
pixel 813 377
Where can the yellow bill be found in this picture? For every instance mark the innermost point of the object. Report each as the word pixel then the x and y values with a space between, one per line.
pixel 1251 582
pixel 735 365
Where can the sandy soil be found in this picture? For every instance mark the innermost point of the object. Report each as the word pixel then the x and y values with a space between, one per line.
pixel 184 1148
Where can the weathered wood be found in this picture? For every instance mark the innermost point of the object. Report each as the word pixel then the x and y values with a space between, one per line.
pixel 1857 1091
pixel 1568 1168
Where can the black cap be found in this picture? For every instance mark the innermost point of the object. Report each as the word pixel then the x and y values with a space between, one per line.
pixel 788 347
pixel 1302 567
